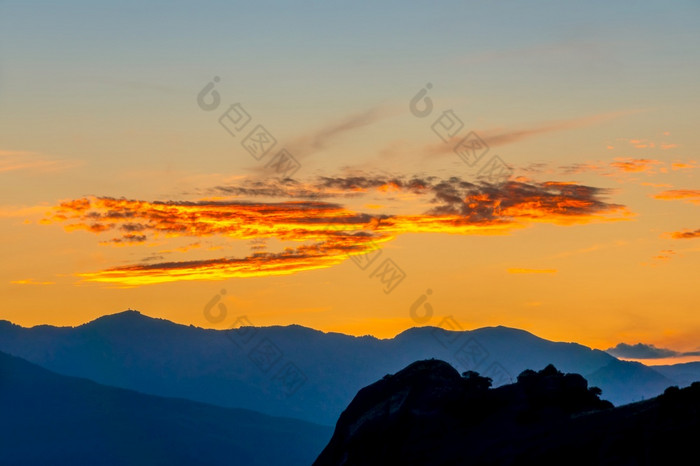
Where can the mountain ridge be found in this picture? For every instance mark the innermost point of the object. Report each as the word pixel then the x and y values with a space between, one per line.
pixel 292 370
pixel 122 316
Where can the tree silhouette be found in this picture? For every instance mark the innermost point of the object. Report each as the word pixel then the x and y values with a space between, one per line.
pixel 474 381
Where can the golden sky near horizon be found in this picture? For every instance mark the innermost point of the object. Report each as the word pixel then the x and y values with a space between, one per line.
pixel 541 173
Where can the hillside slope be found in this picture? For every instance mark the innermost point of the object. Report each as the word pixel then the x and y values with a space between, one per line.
pixel 47 418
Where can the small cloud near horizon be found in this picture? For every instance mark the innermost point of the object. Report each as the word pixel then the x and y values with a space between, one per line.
pixel 646 351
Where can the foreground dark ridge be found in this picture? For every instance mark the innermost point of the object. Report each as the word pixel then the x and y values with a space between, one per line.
pixel 427 414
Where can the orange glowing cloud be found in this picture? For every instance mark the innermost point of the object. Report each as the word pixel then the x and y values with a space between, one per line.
pixel 647 144
pixel 665 255
pixel 127 239
pixel 621 168
pixel 326 233
pixel 630 165
pixel 687 195
pixel 618 167
pixel 292 260
pixel 685 234
pixel 30 281
pixel 690 165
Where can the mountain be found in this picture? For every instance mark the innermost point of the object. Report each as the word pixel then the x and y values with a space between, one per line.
pixel 683 374
pixel 46 418
pixel 633 378
pixel 428 415
pixel 295 371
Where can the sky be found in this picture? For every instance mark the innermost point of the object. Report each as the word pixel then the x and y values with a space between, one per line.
pixel 356 167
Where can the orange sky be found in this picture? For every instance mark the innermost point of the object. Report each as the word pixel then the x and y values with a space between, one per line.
pixel 530 174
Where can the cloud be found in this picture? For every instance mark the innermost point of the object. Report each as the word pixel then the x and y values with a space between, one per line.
pixel 292 260
pixel 616 167
pixel 645 351
pixel 319 139
pixel 685 234
pixel 498 136
pixel 690 165
pixel 687 195
pixel 325 233
pixel 324 187
pixel 516 270
pixel 665 255
pixel 31 281
pixel 630 165
pixel 555 202
pixel 620 168
pixel 11 161
pixel 129 238
pixel 551 202
pixel 495 137
pixel 641 143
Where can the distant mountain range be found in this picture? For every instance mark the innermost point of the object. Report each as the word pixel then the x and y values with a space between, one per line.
pixel 50 419
pixel 683 374
pixel 429 415
pixel 298 372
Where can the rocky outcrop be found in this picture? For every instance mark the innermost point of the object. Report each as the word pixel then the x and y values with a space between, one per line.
pixel 427 414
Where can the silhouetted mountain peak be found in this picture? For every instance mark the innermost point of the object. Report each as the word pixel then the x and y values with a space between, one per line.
pixel 7 323
pixel 498 332
pixel 417 385
pixel 503 331
pixel 128 318
pixel 128 315
pixel 294 330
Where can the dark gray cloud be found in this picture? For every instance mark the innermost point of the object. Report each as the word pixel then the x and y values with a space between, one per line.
pixel 323 187
pixel 319 139
pixel 476 202
pixel 644 351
